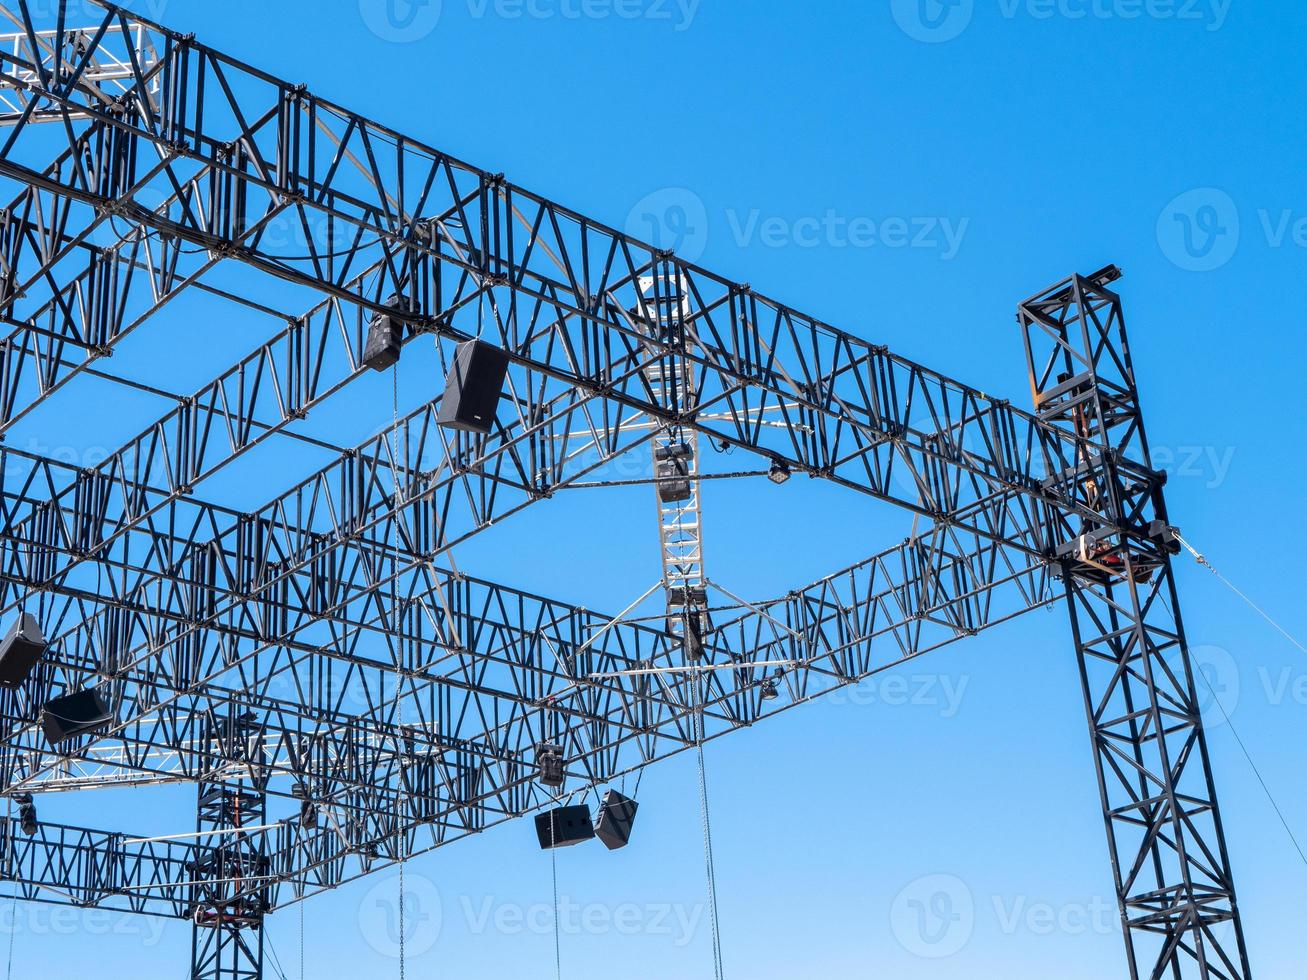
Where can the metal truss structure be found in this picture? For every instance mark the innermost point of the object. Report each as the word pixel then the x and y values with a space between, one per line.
pixel 337 690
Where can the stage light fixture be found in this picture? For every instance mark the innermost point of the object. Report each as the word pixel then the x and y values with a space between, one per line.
pixel 308 809
pixel 26 814
pixel 779 471
pixel 549 759
pixel 770 686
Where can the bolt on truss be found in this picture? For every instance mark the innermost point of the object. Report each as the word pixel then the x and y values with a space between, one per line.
pixel 320 650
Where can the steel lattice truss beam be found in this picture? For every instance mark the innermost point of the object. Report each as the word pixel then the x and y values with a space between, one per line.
pixel 406 699
pixel 880 613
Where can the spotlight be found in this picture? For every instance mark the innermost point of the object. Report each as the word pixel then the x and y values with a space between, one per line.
pixel 769 685
pixel 386 334
pixel 779 471
pixel 26 814
pixel 549 759
pixel 308 810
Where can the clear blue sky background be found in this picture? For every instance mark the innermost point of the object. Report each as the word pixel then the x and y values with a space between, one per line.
pixel 787 144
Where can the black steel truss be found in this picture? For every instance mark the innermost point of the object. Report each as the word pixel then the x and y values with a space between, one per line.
pixel 231 888
pixel 1169 857
pixel 148 164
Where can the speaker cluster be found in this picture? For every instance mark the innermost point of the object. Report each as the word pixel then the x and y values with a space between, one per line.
pixel 565 826
pixel 61 718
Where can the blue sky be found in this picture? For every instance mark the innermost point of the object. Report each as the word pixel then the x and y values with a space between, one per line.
pixel 908 171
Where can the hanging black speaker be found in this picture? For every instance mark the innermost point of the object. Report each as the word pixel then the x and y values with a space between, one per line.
pixel 472 390
pixel 672 468
pixel 20 651
pixel 564 826
pixel 386 335
pixel 616 815
pixel 74 714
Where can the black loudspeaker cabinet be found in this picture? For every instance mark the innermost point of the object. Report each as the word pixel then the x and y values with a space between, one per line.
pixel 473 387
pixel 20 651
pixel 564 826
pixel 74 714
pixel 386 335
pixel 672 467
pixel 616 815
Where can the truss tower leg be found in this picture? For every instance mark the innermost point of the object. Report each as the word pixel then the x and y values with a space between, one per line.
pixel 1172 872
pixel 230 896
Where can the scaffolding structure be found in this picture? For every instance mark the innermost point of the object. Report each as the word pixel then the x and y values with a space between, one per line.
pixel 145 165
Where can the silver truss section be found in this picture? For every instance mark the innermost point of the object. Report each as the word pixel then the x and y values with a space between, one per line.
pixel 675 449
pixel 104 66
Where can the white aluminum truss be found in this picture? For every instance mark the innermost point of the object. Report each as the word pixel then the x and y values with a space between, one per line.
pixel 680 522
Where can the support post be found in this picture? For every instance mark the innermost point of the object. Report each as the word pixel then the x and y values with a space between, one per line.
pixel 1169 860
pixel 231 891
